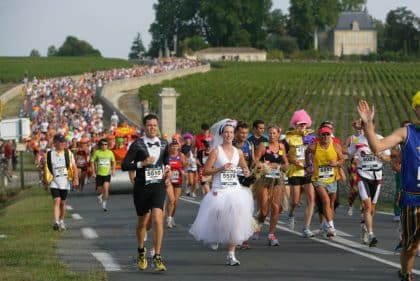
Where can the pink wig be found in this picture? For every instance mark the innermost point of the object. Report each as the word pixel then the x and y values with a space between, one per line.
pixel 300 116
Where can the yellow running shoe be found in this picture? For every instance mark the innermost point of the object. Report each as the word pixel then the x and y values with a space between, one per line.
pixel 158 263
pixel 142 260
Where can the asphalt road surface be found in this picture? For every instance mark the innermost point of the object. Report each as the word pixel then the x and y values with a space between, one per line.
pixel 98 240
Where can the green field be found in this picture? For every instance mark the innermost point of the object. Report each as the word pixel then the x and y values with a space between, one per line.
pixel 273 91
pixel 12 69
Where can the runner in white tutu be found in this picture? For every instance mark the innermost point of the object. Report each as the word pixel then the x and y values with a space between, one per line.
pixel 225 214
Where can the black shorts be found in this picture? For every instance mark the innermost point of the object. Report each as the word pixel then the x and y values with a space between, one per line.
pixel 148 198
pixel 56 192
pixel 300 180
pixel 100 180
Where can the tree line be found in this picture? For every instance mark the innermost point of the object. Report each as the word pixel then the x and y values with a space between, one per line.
pixel 251 23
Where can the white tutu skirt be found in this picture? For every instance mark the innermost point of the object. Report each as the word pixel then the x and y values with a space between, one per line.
pixel 226 217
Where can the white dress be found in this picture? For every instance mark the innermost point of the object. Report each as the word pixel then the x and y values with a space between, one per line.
pixel 225 214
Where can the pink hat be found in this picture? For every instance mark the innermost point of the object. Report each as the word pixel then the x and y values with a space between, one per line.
pixel 188 136
pixel 300 117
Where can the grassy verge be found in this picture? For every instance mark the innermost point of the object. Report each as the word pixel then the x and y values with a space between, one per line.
pixel 29 250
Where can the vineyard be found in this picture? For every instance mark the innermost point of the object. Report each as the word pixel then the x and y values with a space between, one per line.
pixel 273 91
pixel 13 68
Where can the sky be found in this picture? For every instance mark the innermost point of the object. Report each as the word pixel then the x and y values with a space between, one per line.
pixel 107 25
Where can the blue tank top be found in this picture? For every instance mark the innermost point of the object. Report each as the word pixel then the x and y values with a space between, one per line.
pixel 410 168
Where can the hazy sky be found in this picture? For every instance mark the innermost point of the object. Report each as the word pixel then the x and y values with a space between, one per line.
pixel 107 25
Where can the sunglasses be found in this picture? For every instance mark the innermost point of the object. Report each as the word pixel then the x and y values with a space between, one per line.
pixel 325 135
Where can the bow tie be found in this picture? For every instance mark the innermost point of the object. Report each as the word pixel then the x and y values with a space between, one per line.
pixel 152 144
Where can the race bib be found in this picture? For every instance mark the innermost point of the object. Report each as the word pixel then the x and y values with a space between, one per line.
pixel 228 178
pixel 104 162
pixel 370 162
pixel 300 152
pixel 175 176
pixel 153 175
pixel 273 173
pixel 325 173
pixel 60 171
pixel 81 161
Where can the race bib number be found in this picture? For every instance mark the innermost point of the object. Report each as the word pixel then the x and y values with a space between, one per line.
pixel 175 176
pixel 104 162
pixel 325 173
pixel 300 152
pixel 60 171
pixel 228 178
pixel 153 175
pixel 81 161
pixel 370 162
pixel 273 173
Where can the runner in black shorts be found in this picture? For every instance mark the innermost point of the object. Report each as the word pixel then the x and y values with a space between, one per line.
pixel 148 156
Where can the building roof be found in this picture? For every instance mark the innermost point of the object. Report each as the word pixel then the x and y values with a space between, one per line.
pixel 346 19
pixel 231 50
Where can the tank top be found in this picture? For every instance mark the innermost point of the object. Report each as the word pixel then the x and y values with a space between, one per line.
pixel 227 178
pixel 176 168
pixel 322 157
pixel 410 168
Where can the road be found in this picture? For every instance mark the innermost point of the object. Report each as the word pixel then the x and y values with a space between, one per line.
pixel 97 240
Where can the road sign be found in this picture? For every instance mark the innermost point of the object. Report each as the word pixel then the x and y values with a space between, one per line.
pixel 10 128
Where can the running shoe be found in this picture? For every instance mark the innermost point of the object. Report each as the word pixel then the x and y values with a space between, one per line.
pixel 158 263
pixel 372 241
pixel 232 261
pixel 307 233
pixel 63 226
pixel 396 219
pixel 193 195
pixel 350 211
pixel 142 260
pixel 56 226
pixel 331 232
pixel 173 222
pixel 272 240
pixel 291 222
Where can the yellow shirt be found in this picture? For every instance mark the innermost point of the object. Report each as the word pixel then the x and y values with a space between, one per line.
pixel 323 172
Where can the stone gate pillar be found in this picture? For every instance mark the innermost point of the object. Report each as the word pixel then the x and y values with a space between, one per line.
pixel 167 110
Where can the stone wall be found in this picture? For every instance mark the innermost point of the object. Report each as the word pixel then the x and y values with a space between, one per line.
pixel 350 42
pixel 111 92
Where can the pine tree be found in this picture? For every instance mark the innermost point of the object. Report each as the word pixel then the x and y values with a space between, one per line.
pixel 137 48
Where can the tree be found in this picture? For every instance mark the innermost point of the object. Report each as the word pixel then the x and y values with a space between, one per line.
pixel 34 53
pixel 380 29
pixel 137 48
pixel 192 44
pixel 285 43
pixel 307 16
pixel 352 5
pixel 218 22
pixel 52 51
pixel 75 47
pixel 402 31
pixel 277 23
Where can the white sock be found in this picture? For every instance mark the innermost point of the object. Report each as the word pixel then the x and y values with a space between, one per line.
pixel 100 196
pixel 169 218
pixel 104 204
pixel 331 223
pixel 231 254
pixel 61 221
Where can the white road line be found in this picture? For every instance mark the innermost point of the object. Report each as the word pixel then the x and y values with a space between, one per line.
pixel 343 247
pixel 89 233
pixel 107 261
pixel 69 208
pixel 76 216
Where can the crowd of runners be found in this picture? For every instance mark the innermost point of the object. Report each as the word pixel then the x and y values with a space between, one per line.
pixel 268 168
